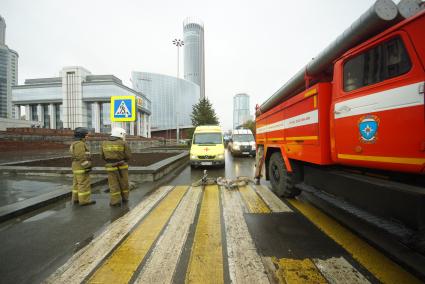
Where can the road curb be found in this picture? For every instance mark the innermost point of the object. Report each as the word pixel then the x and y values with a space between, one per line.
pixel 15 209
pixel 149 173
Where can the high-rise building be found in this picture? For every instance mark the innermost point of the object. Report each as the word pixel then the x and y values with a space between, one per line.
pixel 240 110
pixel 8 73
pixel 2 31
pixel 194 53
pixel 172 99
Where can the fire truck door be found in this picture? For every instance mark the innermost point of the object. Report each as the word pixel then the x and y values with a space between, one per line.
pixel 378 107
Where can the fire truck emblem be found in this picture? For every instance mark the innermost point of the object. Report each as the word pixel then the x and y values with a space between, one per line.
pixel 368 128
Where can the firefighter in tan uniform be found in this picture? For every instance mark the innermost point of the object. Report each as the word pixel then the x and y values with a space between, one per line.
pixel 259 162
pixel 81 166
pixel 117 153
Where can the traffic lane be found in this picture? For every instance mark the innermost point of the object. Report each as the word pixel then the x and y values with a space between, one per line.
pixel 35 244
pixel 235 167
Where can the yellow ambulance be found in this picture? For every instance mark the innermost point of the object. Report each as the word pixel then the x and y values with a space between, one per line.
pixel 207 146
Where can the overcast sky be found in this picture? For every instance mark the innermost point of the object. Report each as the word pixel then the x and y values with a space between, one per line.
pixel 251 47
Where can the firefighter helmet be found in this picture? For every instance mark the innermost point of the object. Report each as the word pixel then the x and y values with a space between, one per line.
pixel 118 132
pixel 81 132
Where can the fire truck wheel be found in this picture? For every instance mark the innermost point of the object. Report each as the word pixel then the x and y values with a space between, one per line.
pixel 283 183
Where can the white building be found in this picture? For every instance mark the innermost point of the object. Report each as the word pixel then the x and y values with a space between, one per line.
pixel 241 113
pixel 78 99
pixel 172 99
pixel 194 53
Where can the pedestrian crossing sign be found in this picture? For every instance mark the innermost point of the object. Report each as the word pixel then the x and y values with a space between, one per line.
pixel 123 108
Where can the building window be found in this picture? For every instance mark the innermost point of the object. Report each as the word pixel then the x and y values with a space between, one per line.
pixel 127 128
pixel 105 119
pixel 46 116
pixel 384 61
pixel 34 115
pixel 59 116
pixel 89 116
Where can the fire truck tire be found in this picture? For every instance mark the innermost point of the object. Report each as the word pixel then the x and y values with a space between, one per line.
pixel 282 181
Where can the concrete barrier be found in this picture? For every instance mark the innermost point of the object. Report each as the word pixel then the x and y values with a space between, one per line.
pixel 150 173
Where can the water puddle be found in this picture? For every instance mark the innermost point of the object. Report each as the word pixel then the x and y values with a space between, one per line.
pixel 40 216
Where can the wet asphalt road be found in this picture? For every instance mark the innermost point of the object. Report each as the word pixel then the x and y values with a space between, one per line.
pixel 35 244
pixel 38 243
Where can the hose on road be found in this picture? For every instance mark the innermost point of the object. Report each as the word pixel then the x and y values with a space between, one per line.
pixel 230 184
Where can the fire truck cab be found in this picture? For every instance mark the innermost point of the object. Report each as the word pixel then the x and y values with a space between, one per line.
pixel 368 114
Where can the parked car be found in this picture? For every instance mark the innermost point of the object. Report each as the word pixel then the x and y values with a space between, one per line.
pixel 242 142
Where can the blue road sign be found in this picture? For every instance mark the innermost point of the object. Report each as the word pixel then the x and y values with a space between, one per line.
pixel 123 108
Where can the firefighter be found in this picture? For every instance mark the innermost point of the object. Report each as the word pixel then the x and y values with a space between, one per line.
pixel 117 153
pixel 259 161
pixel 81 166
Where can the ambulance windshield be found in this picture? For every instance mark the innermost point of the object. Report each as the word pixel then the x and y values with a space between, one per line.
pixel 243 137
pixel 207 138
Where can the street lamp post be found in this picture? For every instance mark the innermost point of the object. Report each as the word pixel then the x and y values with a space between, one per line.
pixel 178 43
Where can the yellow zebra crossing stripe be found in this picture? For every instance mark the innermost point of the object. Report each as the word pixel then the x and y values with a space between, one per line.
pixel 379 265
pixel 161 265
pixel 124 261
pixel 206 259
pixel 294 271
pixel 254 202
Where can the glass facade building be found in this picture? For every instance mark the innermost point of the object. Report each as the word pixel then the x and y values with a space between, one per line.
pixel 194 53
pixel 241 112
pixel 79 99
pixel 172 98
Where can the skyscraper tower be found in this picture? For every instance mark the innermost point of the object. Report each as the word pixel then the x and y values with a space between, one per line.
pixel 240 110
pixel 194 53
pixel 8 73
pixel 2 31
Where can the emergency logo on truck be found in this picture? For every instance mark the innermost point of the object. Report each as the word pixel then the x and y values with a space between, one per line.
pixel 123 108
pixel 368 128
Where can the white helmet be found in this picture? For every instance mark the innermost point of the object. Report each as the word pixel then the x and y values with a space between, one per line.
pixel 118 132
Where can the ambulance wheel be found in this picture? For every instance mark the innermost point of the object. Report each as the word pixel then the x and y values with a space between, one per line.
pixel 282 181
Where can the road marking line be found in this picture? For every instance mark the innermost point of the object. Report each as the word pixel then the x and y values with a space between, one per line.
pixel 161 265
pixel 206 259
pixel 79 266
pixel 297 271
pixel 245 265
pixel 374 261
pixel 338 270
pixel 272 201
pixel 254 202
pixel 124 261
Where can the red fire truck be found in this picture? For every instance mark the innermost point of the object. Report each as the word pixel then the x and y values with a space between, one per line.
pixel 352 122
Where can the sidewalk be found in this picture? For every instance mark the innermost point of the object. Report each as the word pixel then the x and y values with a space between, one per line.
pixel 19 195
